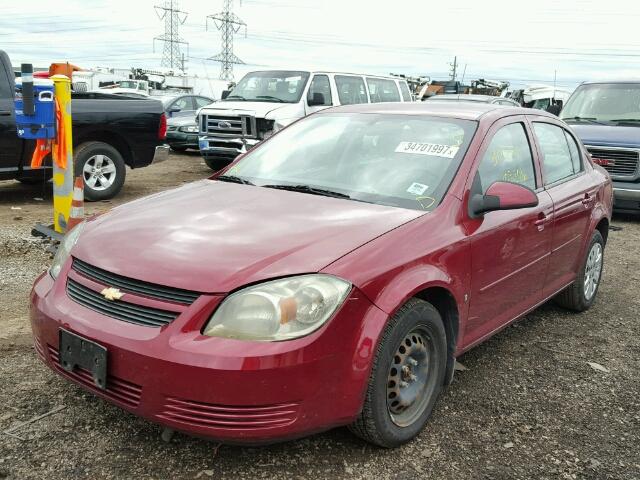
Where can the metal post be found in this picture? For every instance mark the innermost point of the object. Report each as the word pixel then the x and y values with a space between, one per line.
pixel 63 177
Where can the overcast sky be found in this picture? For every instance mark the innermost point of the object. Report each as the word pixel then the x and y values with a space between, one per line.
pixel 520 41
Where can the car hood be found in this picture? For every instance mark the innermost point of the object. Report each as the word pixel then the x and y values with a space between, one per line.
pixel 257 109
pixel 607 135
pixel 211 236
pixel 181 121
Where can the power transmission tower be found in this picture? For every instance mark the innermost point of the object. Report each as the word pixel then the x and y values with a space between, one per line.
pixel 229 24
pixel 173 18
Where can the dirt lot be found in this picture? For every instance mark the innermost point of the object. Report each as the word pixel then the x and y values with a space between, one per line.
pixel 528 405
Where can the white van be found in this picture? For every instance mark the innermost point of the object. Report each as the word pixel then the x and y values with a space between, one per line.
pixel 264 102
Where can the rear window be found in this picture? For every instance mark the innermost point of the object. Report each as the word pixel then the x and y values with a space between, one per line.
pixel 381 90
pixel 351 90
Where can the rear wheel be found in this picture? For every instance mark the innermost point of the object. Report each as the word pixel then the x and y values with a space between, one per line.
pixel 102 169
pixel 581 294
pixel 406 378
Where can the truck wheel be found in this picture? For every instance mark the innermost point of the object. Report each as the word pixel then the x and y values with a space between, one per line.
pixel 406 377
pixel 102 169
pixel 216 164
pixel 580 295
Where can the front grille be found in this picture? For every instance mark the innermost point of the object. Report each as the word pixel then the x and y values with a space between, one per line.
pixel 229 417
pixel 618 162
pixel 152 290
pixel 229 126
pixel 117 389
pixel 125 311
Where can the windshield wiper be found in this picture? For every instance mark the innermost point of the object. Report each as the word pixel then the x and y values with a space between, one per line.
pixel 584 119
pixel 234 179
pixel 270 97
pixel 309 189
pixel 237 97
pixel 626 120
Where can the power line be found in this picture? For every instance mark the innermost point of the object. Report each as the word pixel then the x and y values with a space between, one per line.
pixel 229 24
pixel 173 18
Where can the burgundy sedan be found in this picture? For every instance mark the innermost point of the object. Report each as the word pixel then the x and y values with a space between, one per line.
pixel 331 276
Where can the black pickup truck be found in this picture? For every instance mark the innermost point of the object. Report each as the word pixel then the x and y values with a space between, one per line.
pixel 109 132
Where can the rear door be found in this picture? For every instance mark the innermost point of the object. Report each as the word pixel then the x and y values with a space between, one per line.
pixel 509 248
pixel 573 194
pixel 10 144
pixel 382 90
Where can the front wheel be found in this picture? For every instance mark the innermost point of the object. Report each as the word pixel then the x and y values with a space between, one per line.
pixel 102 169
pixel 406 378
pixel 580 295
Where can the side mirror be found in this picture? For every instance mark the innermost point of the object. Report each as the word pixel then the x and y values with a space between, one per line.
pixel 554 109
pixel 316 99
pixel 502 196
pixel 224 94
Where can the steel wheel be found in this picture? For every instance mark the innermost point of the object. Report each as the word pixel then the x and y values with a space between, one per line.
pixel 592 271
pixel 408 378
pixel 99 172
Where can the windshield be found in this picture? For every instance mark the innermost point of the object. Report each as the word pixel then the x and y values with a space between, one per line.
pixel 270 86
pixel 398 160
pixel 604 102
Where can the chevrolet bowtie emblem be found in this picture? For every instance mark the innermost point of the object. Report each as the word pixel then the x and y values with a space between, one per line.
pixel 112 293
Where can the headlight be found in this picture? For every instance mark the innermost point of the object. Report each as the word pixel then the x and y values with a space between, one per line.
pixel 283 122
pixel 279 310
pixel 64 249
pixel 190 129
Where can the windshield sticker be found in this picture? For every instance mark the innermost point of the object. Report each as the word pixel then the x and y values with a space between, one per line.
pixel 417 188
pixel 434 149
pixel 426 202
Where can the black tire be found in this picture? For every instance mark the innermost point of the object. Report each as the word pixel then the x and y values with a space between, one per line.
pixel 216 164
pixel 178 149
pixel 84 153
pixel 376 423
pixel 574 297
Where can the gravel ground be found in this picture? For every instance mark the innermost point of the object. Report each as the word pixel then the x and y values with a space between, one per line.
pixel 527 406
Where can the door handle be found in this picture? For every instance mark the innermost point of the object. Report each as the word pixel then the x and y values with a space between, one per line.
pixel 540 222
pixel 587 200
pixel 5 113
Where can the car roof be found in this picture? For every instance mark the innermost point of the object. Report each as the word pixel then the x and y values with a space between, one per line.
pixel 460 110
pixel 464 96
pixel 629 80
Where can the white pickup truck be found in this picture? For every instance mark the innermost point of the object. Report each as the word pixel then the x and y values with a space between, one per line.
pixel 264 102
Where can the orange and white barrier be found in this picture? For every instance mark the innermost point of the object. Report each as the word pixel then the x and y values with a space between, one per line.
pixel 76 214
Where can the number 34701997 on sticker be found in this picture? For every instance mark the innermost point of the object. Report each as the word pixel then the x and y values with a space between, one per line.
pixel 434 149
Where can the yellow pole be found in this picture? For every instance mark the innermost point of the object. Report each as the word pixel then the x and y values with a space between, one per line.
pixel 63 177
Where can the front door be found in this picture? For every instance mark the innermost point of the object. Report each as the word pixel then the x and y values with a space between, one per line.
pixel 10 144
pixel 573 194
pixel 509 249
pixel 319 89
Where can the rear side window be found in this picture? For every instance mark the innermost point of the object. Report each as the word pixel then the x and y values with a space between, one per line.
pixel 508 159
pixel 381 90
pixel 320 84
pixel 351 90
pixel 576 158
pixel 557 161
pixel 404 90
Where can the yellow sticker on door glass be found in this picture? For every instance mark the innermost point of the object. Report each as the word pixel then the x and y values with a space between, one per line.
pixel 433 149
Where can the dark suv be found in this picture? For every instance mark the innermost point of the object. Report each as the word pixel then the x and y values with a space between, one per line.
pixel 606 117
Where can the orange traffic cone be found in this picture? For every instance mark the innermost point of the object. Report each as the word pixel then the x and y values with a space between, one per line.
pixel 77 203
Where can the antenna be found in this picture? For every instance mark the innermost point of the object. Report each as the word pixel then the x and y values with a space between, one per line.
pixel 173 18
pixel 229 24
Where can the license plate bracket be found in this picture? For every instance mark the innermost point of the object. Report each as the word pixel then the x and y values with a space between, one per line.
pixel 76 351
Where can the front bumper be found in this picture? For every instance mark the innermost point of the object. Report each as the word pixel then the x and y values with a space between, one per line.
pixel 182 139
pixel 626 196
pixel 229 390
pixel 161 154
pixel 225 147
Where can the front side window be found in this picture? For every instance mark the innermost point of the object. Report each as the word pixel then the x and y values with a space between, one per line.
pixel 320 85
pixel 397 160
pixel 351 90
pixel 557 162
pixel 508 159
pixel 270 86
pixel 404 90
pixel 381 90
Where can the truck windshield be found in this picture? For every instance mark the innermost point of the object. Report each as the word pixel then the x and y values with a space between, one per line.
pixel 405 161
pixel 270 86
pixel 604 102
